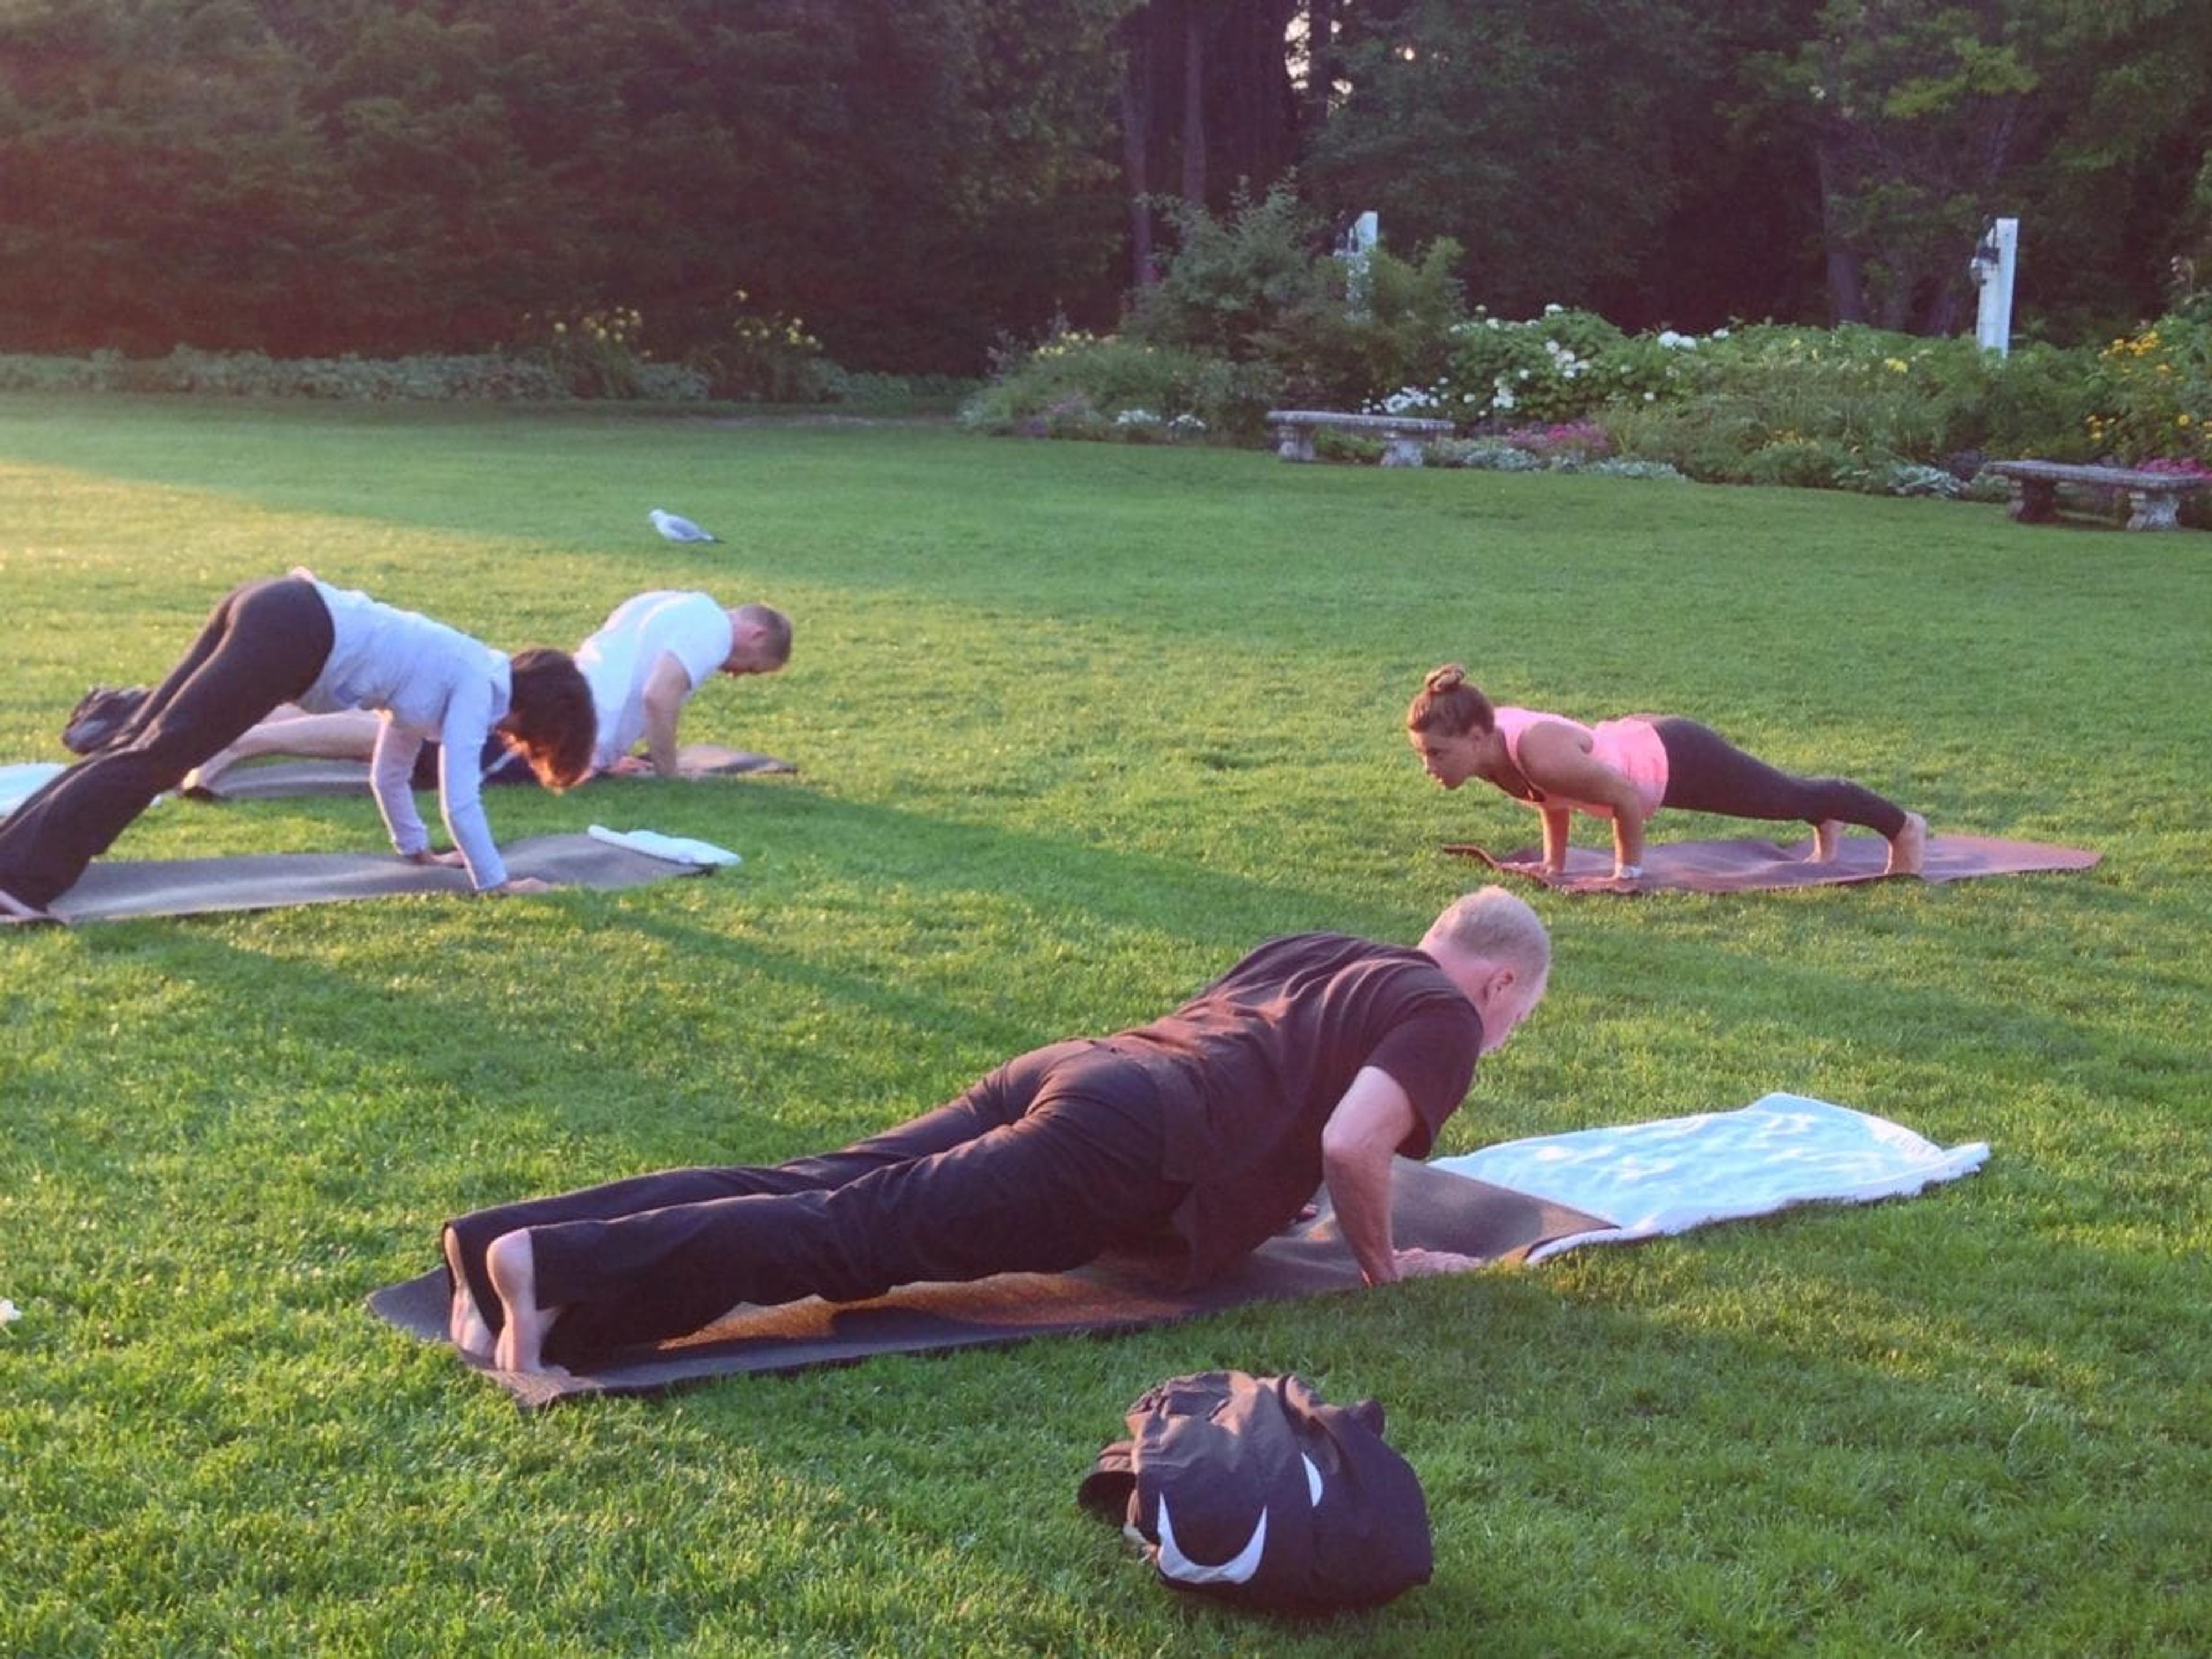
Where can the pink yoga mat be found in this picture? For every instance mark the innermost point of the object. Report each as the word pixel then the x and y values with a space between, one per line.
pixel 1742 866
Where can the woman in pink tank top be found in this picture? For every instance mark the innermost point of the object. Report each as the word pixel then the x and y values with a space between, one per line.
pixel 1626 770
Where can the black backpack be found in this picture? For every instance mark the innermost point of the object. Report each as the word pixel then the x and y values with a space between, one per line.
pixel 1255 1490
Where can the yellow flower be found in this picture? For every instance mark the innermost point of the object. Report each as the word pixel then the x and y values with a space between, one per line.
pixel 1895 365
pixel 2181 420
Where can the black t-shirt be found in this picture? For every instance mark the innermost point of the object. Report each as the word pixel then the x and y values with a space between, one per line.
pixel 1251 1068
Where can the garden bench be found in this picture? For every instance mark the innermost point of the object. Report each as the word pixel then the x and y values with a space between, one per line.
pixel 1401 434
pixel 2155 496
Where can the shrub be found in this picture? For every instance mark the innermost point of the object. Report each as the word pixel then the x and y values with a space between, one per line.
pixel 765 356
pixel 1075 384
pixel 1338 349
pixel 1334 443
pixel 1544 369
pixel 593 353
pixel 1232 280
pixel 1485 454
pixel 491 376
pixel 2153 393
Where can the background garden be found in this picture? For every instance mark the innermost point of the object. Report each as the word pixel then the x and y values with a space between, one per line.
pixel 440 299
pixel 1078 724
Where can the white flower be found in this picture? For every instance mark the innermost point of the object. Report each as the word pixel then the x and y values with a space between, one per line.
pixel 1720 334
pixel 1504 400
pixel 1650 397
pixel 1553 311
pixel 10 1313
pixel 1523 375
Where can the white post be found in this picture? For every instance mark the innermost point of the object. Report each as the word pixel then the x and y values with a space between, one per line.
pixel 1992 268
pixel 1359 243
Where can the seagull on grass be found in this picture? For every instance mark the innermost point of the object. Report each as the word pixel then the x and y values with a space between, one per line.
pixel 677 528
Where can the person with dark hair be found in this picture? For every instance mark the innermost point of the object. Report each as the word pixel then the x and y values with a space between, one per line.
pixel 1626 770
pixel 645 662
pixel 292 639
pixel 1316 1060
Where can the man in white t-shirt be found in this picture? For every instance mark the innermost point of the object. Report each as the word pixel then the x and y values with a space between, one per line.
pixel 653 653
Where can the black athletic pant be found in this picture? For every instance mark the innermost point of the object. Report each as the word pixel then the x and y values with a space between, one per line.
pixel 1707 773
pixel 1049 1161
pixel 264 644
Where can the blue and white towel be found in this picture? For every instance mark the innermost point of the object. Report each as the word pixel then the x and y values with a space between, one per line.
pixel 1668 1176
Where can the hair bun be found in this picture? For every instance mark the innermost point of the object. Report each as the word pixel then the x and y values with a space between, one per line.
pixel 1450 677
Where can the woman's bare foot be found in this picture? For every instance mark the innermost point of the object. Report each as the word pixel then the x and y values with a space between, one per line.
pixel 466 1326
pixel 521 1344
pixel 1824 838
pixel 1908 848
pixel 205 775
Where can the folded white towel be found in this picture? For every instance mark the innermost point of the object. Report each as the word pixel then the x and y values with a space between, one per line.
pixel 676 850
pixel 1668 1176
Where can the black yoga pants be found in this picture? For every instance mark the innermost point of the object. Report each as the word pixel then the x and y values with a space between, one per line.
pixel 1049 1161
pixel 263 644
pixel 1707 773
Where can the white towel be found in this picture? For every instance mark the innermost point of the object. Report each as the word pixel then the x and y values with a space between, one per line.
pixel 1678 1173
pixel 677 849
pixel 18 783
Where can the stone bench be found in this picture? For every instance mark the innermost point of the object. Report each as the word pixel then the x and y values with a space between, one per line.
pixel 1401 434
pixel 2155 496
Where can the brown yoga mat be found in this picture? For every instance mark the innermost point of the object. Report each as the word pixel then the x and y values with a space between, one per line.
pixel 1431 1209
pixel 280 779
pixel 116 888
pixel 1742 866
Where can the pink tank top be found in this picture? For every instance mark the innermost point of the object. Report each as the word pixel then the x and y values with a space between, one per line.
pixel 1630 747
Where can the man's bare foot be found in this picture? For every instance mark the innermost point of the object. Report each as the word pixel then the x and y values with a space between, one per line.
pixel 1824 838
pixel 466 1326
pixel 1908 848
pixel 521 1344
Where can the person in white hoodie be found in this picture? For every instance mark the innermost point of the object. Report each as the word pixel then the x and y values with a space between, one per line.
pixel 295 639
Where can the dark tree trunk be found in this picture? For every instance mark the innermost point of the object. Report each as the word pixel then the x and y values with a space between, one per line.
pixel 1846 262
pixel 1193 103
pixel 1136 156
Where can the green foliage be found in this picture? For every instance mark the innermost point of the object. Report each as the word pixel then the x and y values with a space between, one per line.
pixel 2152 391
pixel 1359 335
pixel 494 376
pixel 1539 134
pixel 1556 367
pixel 1078 725
pixel 1075 385
pixel 766 357
pixel 1232 280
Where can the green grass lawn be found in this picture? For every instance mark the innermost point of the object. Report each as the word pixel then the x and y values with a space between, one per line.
pixel 1078 725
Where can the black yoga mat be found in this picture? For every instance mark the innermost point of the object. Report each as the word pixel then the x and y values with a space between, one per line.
pixel 114 888
pixel 280 780
pixel 1741 867
pixel 1431 1209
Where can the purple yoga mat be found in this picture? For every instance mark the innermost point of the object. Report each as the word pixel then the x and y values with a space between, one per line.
pixel 1743 866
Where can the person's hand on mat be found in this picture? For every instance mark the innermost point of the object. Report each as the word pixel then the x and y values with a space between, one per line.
pixel 450 859
pixel 1427 1264
pixel 520 885
pixel 632 766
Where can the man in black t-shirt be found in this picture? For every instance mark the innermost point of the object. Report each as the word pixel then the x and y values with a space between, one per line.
pixel 1314 1060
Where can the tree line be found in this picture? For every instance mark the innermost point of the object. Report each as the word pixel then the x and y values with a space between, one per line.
pixel 918 181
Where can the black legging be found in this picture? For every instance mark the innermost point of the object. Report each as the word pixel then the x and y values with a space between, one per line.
pixel 1047 1163
pixel 1707 773
pixel 261 645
